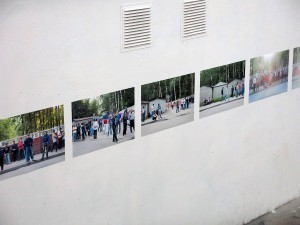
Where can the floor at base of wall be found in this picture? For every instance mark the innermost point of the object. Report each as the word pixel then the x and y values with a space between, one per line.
pixel 288 214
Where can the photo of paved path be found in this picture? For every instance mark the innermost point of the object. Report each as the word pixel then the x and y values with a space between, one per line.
pixel 22 167
pixel 167 103
pixel 90 144
pixel 222 88
pixel 221 106
pixel 169 119
pixel 268 75
pixel 103 121
pixel 268 92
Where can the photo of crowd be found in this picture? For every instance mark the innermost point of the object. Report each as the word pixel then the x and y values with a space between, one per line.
pixel 31 139
pixel 222 88
pixel 296 68
pixel 103 121
pixel 268 75
pixel 167 103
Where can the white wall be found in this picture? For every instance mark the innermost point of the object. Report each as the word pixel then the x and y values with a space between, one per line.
pixel 193 174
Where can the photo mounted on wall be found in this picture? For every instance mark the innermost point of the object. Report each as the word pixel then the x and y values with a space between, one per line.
pixel 268 75
pixel 222 88
pixel 103 121
pixel 296 68
pixel 167 103
pixel 31 141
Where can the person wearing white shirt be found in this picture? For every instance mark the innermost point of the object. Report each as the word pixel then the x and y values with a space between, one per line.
pixel 95 128
pixel 131 121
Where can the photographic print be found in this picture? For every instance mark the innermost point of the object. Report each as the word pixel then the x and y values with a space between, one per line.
pixel 103 121
pixel 296 68
pixel 222 88
pixel 31 141
pixel 167 103
pixel 268 75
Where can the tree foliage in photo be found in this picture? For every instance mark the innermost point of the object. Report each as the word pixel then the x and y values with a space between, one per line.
pixel 107 103
pixel 171 89
pixel 31 122
pixel 296 57
pixel 225 74
pixel 269 63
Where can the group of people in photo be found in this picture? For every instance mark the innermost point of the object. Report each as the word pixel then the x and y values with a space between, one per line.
pixel 109 124
pixel 236 90
pixel 263 80
pixel 296 69
pixel 22 148
pixel 156 111
pixel 181 104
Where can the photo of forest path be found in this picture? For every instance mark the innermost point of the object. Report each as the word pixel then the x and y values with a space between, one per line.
pixel 31 141
pixel 296 68
pixel 167 103
pixel 222 88
pixel 103 121
pixel 268 75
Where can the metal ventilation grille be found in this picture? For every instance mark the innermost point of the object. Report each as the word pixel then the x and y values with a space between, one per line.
pixel 193 18
pixel 136 27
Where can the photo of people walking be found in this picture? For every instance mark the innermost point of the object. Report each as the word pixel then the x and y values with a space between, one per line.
pixel 222 88
pixel 268 75
pixel 296 68
pixel 167 103
pixel 31 141
pixel 103 121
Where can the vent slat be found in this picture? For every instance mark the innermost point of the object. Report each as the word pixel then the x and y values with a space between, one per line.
pixel 145 34
pixel 193 29
pixel 195 11
pixel 194 32
pixel 135 39
pixel 136 26
pixel 136 31
pixel 141 44
pixel 200 14
pixel 132 11
pixel 140 32
pixel 190 12
pixel 134 16
pixel 193 18
pixel 195 23
pixel 199 2
pixel 137 13
pixel 196 18
pixel 191 7
pixel 196 4
pixel 143 17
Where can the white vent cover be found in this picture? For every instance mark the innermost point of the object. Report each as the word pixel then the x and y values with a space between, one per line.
pixel 136 22
pixel 193 23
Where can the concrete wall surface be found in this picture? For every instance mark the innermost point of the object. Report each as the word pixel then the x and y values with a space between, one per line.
pixel 55 52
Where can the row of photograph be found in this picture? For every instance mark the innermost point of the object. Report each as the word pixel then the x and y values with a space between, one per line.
pixel 34 140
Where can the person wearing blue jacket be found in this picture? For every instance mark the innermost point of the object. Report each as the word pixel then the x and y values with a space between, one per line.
pixel 45 144
pixel 28 145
